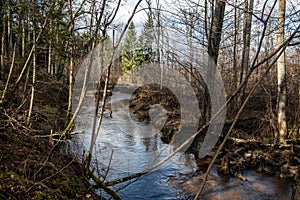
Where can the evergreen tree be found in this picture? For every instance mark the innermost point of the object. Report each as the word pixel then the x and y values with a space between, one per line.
pixel 129 47
pixel 146 38
pixel 130 39
pixel 133 53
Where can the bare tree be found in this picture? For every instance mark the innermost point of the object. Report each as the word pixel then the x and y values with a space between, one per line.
pixel 281 77
pixel 246 47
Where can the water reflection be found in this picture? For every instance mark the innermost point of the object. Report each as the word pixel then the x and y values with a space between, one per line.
pixel 135 147
pixel 133 153
pixel 151 144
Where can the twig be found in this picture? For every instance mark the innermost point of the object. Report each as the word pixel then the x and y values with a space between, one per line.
pixel 15 121
pixel 56 134
pixel 45 162
pixel 59 171
pixel 233 124
pixel 109 164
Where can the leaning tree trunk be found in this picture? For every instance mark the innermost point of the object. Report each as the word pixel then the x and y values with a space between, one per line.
pixel 281 78
pixel 33 67
pixel 214 40
pixel 71 66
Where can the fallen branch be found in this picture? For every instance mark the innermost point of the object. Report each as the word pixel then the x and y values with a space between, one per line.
pixel 102 185
pixel 15 121
pixel 56 134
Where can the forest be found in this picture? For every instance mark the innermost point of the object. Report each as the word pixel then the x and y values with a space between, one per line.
pixel 150 99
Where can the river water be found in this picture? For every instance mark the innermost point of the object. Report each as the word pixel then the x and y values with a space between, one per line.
pixel 120 151
pixel 128 153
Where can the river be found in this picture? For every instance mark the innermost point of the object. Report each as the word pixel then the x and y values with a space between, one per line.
pixel 120 151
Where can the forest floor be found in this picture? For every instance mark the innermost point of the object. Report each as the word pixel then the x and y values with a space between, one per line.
pixel 30 166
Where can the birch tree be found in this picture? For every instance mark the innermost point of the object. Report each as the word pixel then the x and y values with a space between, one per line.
pixel 71 64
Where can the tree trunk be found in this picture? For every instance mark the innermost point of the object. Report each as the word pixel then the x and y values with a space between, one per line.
pixel 235 53
pixel 9 31
pixel 213 47
pixel 90 47
pixel 214 40
pixel 50 51
pixel 2 45
pixel 33 67
pixel 246 49
pixel 71 66
pixel 23 39
pixel 281 78
pixel 216 30
pixel 158 48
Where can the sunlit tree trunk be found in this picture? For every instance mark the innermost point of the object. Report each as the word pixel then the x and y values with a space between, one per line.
pixel 71 65
pixel 158 41
pixel 33 66
pixel 50 51
pixel 281 78
pixel 9 30
pixel 91 25
pixel 2 44
pixel 23 39
pixel 28 24
pixel 55 53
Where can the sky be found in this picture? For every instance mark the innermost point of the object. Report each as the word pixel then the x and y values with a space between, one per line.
pixel 126 10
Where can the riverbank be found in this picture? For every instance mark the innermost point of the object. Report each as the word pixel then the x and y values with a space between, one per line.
pixel 30 166
pixel 244 150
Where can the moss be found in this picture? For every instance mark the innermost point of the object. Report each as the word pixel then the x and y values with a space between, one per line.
pixel 45 196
